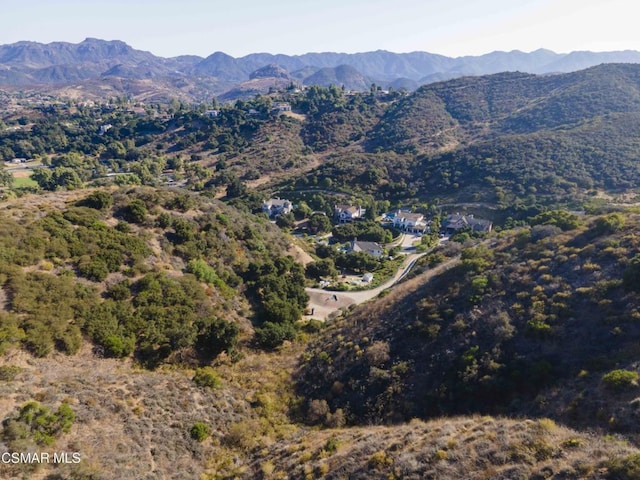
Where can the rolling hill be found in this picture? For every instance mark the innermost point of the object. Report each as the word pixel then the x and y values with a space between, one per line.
pixel 503 137
pixel 531 323
pixel 154 329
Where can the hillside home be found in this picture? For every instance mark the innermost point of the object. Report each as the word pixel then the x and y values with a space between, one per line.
pixel 276 206
pixel 456 222
pixel 104 128
pixel 409 222
pixel 348 213
pixel 281 107
pixel 138 111
pixel 372 248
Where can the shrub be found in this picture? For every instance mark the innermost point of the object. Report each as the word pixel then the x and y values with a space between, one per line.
pixel 180 202
pixel 317 411
pixel 332 445
pixel 242 435
pixel 378 353
pixel 118 346
pixel 631 275
pixel 560 218
pixel 70 340
pixel 627 468
pixel 184 230
pixel 207 274
pixel 93 268
pixel 609 224
pixel 9 372
pixel 120 291
pixel 207 377
pixel 10 333
pixel 272 335
pixel 217 336
pixel 164 220
pixel 81 216
pixel 135 212
pixel 40 423
pixel 620 379
pixel 200 431
pixel 98 201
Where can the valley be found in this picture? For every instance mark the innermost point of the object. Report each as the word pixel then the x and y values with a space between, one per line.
pixel 313 282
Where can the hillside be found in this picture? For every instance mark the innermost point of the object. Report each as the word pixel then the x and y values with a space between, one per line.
pixel 155 274
pixel 109 296
pixel 506 138
pixel 150 314
pixel 448 448
pixel 517 141
pixel 495 334
pixel 530 323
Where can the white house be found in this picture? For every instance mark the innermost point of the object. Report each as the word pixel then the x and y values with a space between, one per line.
pixel 276 206
pixel 348 213
pixel 409 222
pixel 372 248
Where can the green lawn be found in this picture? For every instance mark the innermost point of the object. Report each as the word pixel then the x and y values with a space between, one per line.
pixel 24 182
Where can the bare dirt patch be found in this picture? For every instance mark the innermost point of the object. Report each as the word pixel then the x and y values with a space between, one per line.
pixel 299 254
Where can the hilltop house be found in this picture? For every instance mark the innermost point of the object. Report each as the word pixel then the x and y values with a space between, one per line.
pixel 276 206
pixel 372 248
pixel 347 213
pixel 409 222
pixel 456 222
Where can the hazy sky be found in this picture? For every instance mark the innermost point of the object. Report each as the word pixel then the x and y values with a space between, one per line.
pixel 238 27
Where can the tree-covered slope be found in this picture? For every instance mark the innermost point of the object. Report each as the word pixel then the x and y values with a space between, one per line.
pixel 472 108
pixel 530 323
pixel 507 138
pixel 150 273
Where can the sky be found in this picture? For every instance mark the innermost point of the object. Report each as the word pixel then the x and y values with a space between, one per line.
pixel 238 27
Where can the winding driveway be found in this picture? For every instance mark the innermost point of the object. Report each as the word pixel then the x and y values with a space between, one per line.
pixel 323 303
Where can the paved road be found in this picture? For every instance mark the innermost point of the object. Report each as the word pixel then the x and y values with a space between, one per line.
pixel 324 303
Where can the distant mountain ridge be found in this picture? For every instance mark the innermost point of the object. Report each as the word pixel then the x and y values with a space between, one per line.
pixel 31 64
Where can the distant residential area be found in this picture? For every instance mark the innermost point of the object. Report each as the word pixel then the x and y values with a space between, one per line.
pixel 353 245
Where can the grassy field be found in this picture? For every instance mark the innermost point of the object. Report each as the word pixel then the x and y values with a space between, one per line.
pixel 24 182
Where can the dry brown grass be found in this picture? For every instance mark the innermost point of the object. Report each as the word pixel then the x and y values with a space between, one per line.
pixel 448 448
pixel 134 424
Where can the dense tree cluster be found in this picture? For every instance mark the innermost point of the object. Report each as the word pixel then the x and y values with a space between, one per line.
pixel 123 304
pixel 279 288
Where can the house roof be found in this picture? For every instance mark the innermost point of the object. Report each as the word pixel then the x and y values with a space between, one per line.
pixel 411 217
pixel 358 246
pixel 457 221
pixel 277 202
pixel 346 208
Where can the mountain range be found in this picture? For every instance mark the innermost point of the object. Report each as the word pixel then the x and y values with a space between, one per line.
pixel 93 64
